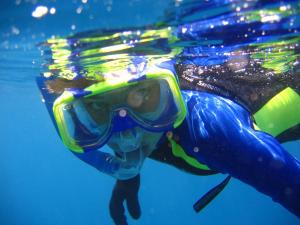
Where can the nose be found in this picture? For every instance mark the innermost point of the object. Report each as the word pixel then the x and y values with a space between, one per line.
pixel 135 99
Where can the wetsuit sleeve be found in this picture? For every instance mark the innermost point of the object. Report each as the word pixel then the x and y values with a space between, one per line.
pixel 222 130
pixel 124 167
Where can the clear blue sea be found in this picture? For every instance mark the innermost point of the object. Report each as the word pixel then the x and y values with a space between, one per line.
pixel 42 183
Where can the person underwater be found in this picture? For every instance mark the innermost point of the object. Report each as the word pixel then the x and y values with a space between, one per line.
pixel 197 94
pixel 139 114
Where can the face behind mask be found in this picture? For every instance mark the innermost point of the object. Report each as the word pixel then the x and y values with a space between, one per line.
pixel 85 118
pixel 124 141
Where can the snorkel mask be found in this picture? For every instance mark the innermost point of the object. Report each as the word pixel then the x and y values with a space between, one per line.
pixel 86 118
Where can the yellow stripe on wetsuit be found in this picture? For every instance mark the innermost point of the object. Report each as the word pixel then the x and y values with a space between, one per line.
pixel 179 152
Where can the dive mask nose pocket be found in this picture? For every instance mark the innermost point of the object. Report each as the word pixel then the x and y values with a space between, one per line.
pixel 128 140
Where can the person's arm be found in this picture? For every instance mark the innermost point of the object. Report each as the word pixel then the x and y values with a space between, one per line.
pixel 114 166
pixel 125 191
pixel 120 168
pixel 126 172
pixel 222 131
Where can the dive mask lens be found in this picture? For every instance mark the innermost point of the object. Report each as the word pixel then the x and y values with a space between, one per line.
pixel 81 127
pixel 158 109
pixel 87 119
pixel 150 104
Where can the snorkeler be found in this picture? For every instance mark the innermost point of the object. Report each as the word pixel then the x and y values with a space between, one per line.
pixel 137 114
pixel 183 95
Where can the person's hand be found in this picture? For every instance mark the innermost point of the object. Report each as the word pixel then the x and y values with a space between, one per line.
pixel 125 191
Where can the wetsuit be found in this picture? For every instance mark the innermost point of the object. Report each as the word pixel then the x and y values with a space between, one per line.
pixel 220 135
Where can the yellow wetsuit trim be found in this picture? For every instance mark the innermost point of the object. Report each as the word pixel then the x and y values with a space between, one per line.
pixel 178 151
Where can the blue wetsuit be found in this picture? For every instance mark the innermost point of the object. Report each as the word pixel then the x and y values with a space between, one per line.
pixel 221 135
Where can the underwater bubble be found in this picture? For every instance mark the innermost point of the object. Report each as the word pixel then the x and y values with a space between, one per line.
pixel 52 10
pixel 39 12
pixel 15 30
pixel 79 9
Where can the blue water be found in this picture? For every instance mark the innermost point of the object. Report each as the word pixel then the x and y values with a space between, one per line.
pixel 42 183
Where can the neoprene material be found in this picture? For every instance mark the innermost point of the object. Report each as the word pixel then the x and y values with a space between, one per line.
pixel 221 136
pixel 219 133
pixel 125 191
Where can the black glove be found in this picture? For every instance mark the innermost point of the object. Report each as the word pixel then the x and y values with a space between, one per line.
pixel 125 190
